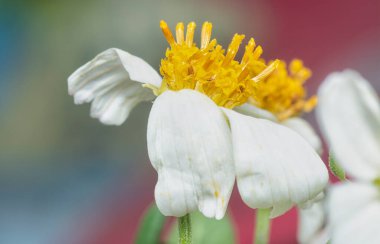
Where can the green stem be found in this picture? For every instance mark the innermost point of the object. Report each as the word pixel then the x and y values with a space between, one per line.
pixel 184 228
pixel 262 226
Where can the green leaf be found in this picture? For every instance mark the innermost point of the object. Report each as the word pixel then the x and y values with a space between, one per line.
pixel 207 231
pixel 150 226
pixel 336 169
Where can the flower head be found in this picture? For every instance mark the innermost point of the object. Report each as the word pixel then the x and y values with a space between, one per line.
pixel 196 142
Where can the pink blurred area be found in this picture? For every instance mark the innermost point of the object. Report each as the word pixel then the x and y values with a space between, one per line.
pixel 327 35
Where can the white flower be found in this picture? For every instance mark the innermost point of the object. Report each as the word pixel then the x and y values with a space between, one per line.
pixel 349 116
pixel 197 144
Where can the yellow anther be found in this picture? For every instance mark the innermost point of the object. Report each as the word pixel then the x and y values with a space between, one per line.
pixel 167 33
pixel 206 34
pixel 190 34
pixel 180 33
pixel 233 48
pixel 257 53
pixel 248 51
pixel 243 74
pixel 267 71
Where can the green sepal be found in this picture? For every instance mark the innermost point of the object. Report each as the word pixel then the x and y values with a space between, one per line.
pixel 207 231
pixel 376 182
pixel 336 169
pixel 150 226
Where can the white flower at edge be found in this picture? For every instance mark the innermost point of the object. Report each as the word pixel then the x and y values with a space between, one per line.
pixel 198 147
pixel 312 217
pixel 349 116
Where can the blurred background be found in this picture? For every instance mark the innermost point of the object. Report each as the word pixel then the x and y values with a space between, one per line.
pixel 66 178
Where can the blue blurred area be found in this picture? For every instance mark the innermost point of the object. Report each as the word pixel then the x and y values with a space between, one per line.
pixel 13 28
pixel 51 206
pixel 39 212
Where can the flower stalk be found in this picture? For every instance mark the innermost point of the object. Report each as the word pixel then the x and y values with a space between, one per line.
pixel 184 228
pixel 263 224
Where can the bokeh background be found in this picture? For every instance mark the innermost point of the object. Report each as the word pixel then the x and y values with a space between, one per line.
pixel 66 178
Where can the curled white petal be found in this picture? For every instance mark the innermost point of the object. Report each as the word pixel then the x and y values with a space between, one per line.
pixel 275 167
pixel 354 213
pixel 113 82
pixel 311 224
pixel 349 116
pixel 304 129
pixel 189 145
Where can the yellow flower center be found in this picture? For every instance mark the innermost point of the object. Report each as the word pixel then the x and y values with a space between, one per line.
pixel 283 92
pixel 209 69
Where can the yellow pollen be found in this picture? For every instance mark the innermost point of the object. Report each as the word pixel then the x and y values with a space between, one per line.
pixel 180 34
pixel 283 92
pixel 209 69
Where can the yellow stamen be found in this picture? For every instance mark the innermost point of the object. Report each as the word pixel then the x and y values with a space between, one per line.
pixel 267 71
pixel 233 48
pixel 248 51
pixel 190 34
pixel 206 34
pixel 243 74
pixel 167 33
pixel 180 33
pixel 257 53
pixel 209 70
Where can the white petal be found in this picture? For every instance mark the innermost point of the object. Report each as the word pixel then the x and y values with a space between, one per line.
pixel 113 81
pixel 275 167
pixel 304 129
pixel 311 225
pixel 354 213
pixel 251 110
pixel 299 125
pixel 189 144
pixel 349 116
